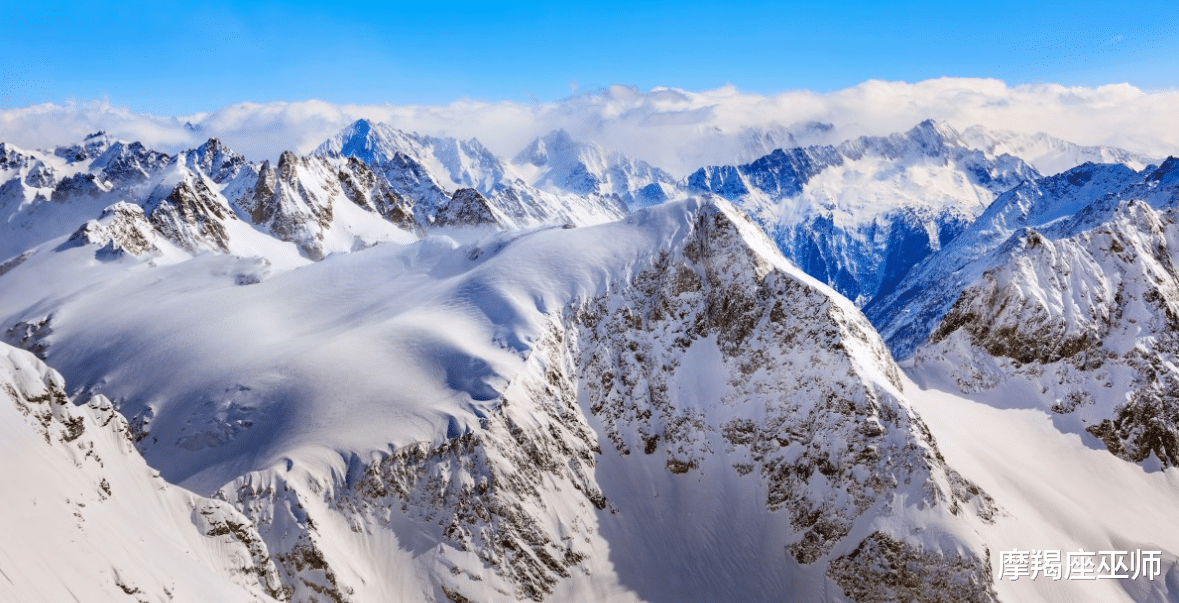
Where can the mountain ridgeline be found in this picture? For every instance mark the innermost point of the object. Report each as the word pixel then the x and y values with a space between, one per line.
pixel 401 368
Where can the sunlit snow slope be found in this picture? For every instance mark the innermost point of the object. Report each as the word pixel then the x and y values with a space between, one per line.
pixel 660 408
pixel 85 519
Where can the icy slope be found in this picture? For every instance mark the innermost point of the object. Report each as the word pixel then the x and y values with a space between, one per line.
pixel 571 414
pixel 858 215
pixel 85 519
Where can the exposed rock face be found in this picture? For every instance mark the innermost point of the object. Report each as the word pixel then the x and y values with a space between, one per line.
pixel 297 201
pixel 424 169
pixel 513 503
pixel 411 180
pixel 125 165
pixel 121 230
pixel 1075 306
pixel 289 205
pixel 883 569
pixel 466 208
pixel 462 163
pixel 191 215
pixel 218 162
pixel 855 435
pixel 907 316
pixel 368 190
pixel 78 185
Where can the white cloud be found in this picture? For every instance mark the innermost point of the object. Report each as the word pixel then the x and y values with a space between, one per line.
pixel 673 128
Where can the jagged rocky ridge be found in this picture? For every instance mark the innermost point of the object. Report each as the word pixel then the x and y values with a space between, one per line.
pixel 587 396
pixel 1067 285
pixel 584 408
pixel 429 169
pixel 345 196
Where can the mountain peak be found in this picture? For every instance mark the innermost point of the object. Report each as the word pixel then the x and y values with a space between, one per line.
pixel 933 136
pixel 1166 173
pixel 554 147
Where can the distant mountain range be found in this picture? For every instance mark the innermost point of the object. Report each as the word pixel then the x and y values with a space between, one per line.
pixel 401 368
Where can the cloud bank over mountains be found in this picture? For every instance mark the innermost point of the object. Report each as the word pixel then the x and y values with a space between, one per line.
pixel 675 129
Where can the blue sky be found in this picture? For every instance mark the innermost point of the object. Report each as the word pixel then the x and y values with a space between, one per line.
pixel 166 60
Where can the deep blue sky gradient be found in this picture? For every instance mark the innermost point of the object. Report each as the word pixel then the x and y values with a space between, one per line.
pixel 166 60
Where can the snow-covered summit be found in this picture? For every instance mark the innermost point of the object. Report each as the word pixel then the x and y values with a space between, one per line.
pixel 529 414
pixel 859 214
pixel 455 163
pixel 1050 155
pixel 907 316
pixel 556 162
pixel 1066 290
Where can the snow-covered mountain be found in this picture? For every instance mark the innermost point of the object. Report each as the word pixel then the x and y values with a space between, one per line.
pixel 84 518
pixel 453 163
pixel 858 215
pixel 368 185
pixel 429 170
pixel 1066 289
pixel 402 369
pixel 1048 154
pixel 530 415
pixel 557 163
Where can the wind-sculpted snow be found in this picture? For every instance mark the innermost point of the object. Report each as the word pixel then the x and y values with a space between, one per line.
pixel 1083 308
pixel 859 215
pixel 85 519
pixel 557 414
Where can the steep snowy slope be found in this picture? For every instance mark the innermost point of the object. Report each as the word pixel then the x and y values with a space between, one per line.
pixel 1058 492
pixel 557 163
pixel 859 215
pixel 661 408
pixel 85 519
pixel 1048 154
pixel 1069 287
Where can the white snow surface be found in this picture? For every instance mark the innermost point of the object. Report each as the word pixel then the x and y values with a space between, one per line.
pixel 1056 491
pixel 85 519
pixel 1051 155
pixel 282 391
